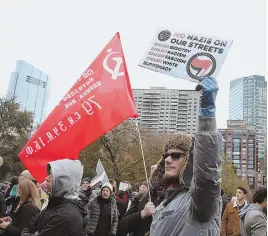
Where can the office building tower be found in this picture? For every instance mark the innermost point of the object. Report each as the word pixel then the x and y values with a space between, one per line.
pixel 29 87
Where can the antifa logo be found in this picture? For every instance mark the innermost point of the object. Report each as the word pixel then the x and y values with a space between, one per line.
pixel 164 35
pixel 201 64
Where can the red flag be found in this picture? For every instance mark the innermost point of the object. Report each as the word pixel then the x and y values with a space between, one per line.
pixel 100 100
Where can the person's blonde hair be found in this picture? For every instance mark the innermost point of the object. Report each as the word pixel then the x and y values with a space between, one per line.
pixel 29 193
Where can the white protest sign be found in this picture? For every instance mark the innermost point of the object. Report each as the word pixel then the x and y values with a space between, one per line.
pixel 123 186
pixel 185 55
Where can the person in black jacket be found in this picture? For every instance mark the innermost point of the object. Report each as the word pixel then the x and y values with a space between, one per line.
pixel 64 214
pixel 28 207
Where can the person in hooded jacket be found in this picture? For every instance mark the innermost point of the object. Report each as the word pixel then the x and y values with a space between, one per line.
pixel 64 214
pixel 85 192
pixel 103 214
pixel 192 206
pixel 253 219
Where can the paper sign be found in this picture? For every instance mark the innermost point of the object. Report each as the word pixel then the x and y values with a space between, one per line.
pixel 123 186
pixel 185 55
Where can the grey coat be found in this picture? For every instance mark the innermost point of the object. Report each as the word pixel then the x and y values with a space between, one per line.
pixel 196 210
pixel 94 213
pixel 253 221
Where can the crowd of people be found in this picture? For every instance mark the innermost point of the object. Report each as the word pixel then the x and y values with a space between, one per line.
pixel 182 197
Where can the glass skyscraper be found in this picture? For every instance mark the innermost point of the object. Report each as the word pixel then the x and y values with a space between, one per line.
pixel 29 87
pixel 248 101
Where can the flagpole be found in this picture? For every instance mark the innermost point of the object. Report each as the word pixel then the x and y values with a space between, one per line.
pixel 143 158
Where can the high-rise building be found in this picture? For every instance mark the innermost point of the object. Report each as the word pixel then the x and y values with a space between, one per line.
pixel 248 101
pixel 29 87
pixel 168 110
pixel 240 147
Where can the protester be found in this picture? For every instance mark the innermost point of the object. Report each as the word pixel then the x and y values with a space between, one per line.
pixel 122 199
pixel 64 213
pixel 11 196
pixel 224 202
pixel 194 211
pixel 253 219
pixel 113 183
pixel 132 196
pixel 28 207
pixel 14 183
pixel 143 187
pixel 85 192
pixel 102 214
pixel 230 223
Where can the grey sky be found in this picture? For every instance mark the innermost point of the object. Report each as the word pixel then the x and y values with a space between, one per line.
pixel 63 37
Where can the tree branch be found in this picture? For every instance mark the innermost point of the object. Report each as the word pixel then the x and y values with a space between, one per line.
pixel 137 162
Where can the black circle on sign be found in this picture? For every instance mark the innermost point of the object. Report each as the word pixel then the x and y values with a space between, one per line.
pixel 164 35
pixel 197 55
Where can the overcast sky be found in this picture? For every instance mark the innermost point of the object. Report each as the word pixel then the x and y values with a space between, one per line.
pixel 63 37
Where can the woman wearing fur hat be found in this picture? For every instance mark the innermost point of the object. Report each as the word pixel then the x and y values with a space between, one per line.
pixel 192 206
pixel 102 214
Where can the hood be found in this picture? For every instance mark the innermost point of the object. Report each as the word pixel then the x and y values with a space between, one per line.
pixel 242 213
pixel 156 179
pixel 66 176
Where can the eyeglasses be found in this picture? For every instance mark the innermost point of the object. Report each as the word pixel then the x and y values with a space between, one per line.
pixel 173 155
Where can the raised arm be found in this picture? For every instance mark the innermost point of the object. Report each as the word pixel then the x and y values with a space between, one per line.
pixel 206 187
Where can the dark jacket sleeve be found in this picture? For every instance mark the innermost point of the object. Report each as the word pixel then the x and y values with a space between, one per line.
pixel 206 187
pixel 63 222
pixel 2 205
pixel 25 217
pixel 132 218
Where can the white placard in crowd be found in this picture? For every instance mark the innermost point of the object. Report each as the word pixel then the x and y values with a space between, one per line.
pixel 123 186
pixel 185 55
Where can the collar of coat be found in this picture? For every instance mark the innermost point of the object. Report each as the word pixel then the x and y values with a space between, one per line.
pixel 236 205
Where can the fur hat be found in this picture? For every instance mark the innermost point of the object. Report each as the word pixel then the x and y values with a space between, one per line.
pixel 107 185
pixel 179 141
pixel 185 143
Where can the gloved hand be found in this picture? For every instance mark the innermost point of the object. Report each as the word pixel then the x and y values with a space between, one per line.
pixel 209 89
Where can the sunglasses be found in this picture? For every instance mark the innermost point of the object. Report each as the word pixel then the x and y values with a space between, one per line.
pixel 173 155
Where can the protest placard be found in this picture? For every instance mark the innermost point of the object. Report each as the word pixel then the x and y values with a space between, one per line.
pixel 185 55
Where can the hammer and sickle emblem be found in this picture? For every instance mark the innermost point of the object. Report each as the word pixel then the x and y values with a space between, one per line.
pixel 115 72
